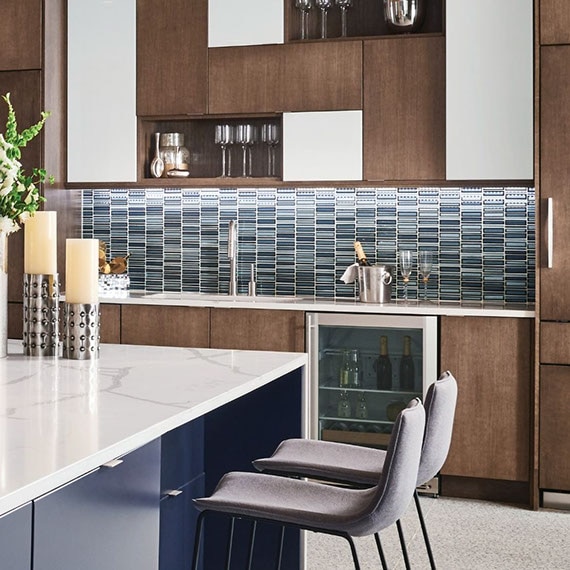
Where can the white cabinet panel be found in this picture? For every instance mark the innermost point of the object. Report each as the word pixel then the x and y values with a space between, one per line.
pixel 322 145
pixel 243 23
pixel 489 61
pixel 101 91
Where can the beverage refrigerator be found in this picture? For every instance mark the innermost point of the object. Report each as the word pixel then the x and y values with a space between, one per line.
pixel 363 370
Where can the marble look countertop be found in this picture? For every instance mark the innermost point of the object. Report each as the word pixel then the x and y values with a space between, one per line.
pixel 62 418
pixel 314 304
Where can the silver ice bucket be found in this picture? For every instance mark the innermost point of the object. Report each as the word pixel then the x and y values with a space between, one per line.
pixel 375 283
pixel 404 15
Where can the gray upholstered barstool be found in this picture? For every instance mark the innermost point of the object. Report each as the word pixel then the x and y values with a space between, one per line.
pixel 361 466
pixel 322 508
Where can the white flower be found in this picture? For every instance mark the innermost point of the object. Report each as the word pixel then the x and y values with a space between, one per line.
pixel 7 225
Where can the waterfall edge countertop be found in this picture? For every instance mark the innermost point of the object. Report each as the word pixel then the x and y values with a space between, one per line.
pixel 314 304
pixel 62 418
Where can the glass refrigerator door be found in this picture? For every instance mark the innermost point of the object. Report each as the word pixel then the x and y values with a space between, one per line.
pixel 364 369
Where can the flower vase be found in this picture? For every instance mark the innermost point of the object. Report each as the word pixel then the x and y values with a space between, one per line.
pixel 3 294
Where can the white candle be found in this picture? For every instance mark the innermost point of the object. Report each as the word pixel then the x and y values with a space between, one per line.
pixel 82 271
pixel 40 244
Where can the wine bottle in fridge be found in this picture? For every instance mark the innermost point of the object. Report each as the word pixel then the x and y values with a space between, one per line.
pixel 384 366
pixel 407 372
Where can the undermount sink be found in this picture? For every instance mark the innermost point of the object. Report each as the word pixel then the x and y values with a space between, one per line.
pixel 223 297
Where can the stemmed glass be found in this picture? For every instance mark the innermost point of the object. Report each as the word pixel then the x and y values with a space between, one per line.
pixel 324 6
pixel 304 6
pixel 424 268
pixel 244 137
pixel 406 263
pixel 223 136
pixel 343 5
pixel 270 136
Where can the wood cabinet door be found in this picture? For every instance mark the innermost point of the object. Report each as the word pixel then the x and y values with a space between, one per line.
pixel 491 359
pixel 245 79
pixel 110 328
pixel 404 108
pixel 322 76
pixel 21 33
pixel 251 329
pixel 555 180
pixel 165 326
pixel 554 465
pixel 554 22
pixel 172 57
pixel 25 94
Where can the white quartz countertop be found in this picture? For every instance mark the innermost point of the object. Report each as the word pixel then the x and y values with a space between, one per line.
pixel 62 418
pixel 313 304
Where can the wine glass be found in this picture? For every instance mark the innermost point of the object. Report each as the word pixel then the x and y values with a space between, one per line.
pixel 244 137
pixel 304 6
pixel 406 263
pixel 223 136
pixel 270 136
pixel 424 268
pixel 324 6
pixel 343 5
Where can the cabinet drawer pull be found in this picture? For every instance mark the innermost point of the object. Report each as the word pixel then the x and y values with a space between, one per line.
pixel 550 233
pixel 113 463
pixel 173 493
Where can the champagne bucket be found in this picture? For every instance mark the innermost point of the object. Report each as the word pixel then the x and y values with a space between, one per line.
pixel 404 15
pixel 375 283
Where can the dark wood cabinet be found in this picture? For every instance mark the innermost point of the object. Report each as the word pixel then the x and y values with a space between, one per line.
pixel 110 323
pixel 255 329
pixel 165 325
pixel 554 22
pixel 491 359
pixel 21 33
pixel 172 57
pixel 245 79
pixel 554 461
pixel 404 108
pixel 322 76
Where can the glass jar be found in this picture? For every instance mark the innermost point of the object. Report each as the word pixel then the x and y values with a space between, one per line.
pixel 175 155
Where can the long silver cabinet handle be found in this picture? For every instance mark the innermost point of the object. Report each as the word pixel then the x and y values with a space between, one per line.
pixel 113 463
pixel 550 233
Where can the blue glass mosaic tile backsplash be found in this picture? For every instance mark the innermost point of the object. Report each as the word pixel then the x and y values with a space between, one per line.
pixel 301 240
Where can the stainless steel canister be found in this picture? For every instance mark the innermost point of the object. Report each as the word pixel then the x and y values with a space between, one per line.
pixel 375 283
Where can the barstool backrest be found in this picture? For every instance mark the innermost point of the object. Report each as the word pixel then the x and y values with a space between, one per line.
pixel 440 403
pixel 391 497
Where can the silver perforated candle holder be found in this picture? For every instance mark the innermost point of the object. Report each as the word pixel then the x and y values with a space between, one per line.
pixel 81 323
pixel 41 314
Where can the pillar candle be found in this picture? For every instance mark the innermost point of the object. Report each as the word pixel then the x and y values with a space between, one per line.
pixel 82 271
pixel 40 244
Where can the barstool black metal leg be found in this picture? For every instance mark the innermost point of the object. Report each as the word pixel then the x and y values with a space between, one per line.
pixel 353 551
pixel 251 544
pixel 197 540
pixel 380 551
pixel 230 543
pixel 403 544
pixel 424 531
pixel 280 551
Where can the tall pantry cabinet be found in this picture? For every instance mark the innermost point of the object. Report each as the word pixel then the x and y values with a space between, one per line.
pixel 554 300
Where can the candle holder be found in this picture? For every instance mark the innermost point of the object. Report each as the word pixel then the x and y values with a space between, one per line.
pixel 81 325
pixel 41 314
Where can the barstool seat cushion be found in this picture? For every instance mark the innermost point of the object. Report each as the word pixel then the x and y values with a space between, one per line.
pixel 325 460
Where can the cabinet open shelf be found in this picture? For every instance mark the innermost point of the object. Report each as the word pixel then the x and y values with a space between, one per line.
pixel 364 19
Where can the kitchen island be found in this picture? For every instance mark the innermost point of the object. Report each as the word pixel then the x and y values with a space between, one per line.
pixel 64 419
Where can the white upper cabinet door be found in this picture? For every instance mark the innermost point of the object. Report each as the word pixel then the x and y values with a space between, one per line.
pixel 101 91
pixel 489 58
pixel 323 145
pixel 245 22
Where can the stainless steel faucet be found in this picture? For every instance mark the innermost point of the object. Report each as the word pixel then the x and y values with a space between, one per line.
pixel 233 256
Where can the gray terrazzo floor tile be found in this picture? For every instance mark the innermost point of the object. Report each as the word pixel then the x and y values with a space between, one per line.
pixel 465 535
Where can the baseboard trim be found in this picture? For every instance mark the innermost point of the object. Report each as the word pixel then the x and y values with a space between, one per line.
pixel 496 490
